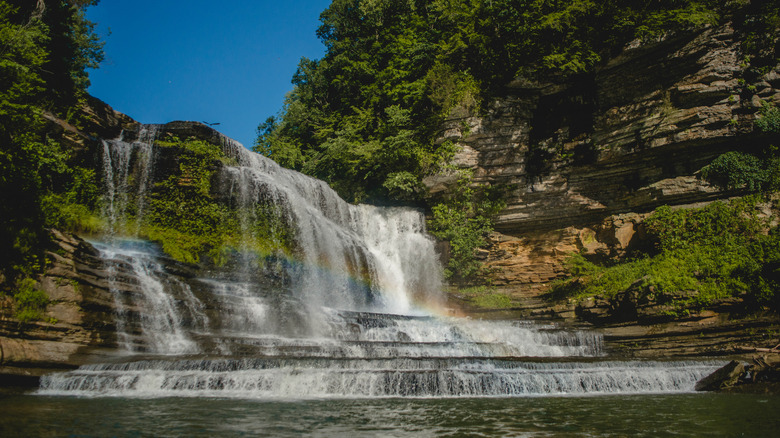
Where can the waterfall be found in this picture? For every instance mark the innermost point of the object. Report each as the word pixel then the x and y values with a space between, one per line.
pixel 119 158
pixel 315 378
pixel 151 304
pixel 355 257
pixel 352 322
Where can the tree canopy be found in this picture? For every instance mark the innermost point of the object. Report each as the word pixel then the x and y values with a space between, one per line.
pixel 365 116
pixel 46 48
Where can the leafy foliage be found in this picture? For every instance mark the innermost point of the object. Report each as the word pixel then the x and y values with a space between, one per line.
pixel 364 117
pixel 188 221
pixel 465 220
pixel 29 301
pixel 45 49
pixel 20 66
pixel 769 120
pixel 754 172
pixel 738 170
pixel 717 223
pixel 700 255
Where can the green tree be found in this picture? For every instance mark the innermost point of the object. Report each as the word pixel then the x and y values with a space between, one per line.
pixel 421 59
pixel 22 40
pixel 465 220
pixel 40 44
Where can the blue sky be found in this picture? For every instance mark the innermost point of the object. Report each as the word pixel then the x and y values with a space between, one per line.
pixel 226 62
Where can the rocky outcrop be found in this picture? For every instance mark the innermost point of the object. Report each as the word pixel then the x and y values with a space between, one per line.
pixel 582 162
pixel 95 120
pixel 761 375
pixel 724 377
pixel 78 323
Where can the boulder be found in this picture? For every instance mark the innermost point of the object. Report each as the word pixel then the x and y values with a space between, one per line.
pixel 723 378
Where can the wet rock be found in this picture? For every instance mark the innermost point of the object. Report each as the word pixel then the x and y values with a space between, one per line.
pixel 595 310
pixel 78 322
pixel 725 377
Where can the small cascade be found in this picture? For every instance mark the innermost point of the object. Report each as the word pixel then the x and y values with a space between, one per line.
pixel 147 318
pixel 151 304
pixel 120 157
pixel 352 322
pixel 317 378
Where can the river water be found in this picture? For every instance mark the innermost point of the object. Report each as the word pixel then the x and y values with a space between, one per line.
pixel 728 415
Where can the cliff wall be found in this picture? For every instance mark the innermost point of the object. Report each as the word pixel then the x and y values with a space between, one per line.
pixel 79 321
pixel 582 162
pixel 79 324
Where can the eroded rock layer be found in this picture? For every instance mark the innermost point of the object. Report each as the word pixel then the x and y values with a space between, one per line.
pixel 583 162
pixel 78 323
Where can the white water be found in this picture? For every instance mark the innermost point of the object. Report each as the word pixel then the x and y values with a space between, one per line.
pixel 355 257
pixel 349 325
pixel 144 299
pixel 120 157
pixel 390 378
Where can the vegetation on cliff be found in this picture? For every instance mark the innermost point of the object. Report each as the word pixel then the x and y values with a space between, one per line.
pixel 696 257
pixel 185 216
pixel 45 51
pixel 463 220
pixel 753 170
pixel 699 256
pixel 173 202
pixel 365 117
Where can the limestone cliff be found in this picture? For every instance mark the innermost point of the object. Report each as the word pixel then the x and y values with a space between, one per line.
pixel 582 161
pixel 78 322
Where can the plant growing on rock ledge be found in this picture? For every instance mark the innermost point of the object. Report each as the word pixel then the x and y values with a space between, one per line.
pixel 465 220
pixel 29 302
pixel 699 256
pixel 755 172
pixel 769 118
pixel 187 219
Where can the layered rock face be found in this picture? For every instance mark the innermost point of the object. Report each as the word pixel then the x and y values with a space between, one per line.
pixel 78 323
pixel 583 162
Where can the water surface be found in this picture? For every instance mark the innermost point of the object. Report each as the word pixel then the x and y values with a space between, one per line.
pixel 611 416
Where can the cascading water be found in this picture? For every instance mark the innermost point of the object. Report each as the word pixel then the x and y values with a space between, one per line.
pixel 151 304
pixel 119 158
pixel 352 257
pixel 351 323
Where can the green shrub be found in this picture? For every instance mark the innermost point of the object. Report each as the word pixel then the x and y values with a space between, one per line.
pixel 717 223
pixel 465 220
pixel 64 215
pixel 769 120
pixel 701 255
pixel 29 302
pixel 739 170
